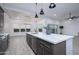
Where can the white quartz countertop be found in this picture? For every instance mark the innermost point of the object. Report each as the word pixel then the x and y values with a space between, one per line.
pixel 52 38
pixel 4 34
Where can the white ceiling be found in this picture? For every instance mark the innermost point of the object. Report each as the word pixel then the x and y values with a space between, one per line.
pixel 61 10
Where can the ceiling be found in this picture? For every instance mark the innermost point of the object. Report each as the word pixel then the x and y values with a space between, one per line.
pixel 61 10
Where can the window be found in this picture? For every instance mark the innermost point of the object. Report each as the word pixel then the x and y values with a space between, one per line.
pixel 22 30
pixel 27 30
pixel 16 30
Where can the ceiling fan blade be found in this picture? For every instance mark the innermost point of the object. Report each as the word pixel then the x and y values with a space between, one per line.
pixel 75 17
pixel 70 17
pixel 67 18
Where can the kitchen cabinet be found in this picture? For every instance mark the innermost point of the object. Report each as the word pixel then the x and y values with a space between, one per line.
pixel 35 44
pixel 1 19
pixel 44 48
pixel 29 40
pixel 41 47
pixel 32 42
pixel 4 42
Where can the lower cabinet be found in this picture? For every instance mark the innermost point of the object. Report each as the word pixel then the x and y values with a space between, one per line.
pixel 4 44
pixel 29 40
pixel 34 44
pixel 44 48
pixel 41 47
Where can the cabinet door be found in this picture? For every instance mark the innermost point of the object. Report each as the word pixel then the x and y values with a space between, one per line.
pixel 34 44
pixel 29 40
pixel 4 44
pixel 1 20
pixel 40 50
pixel 44 48
pixel 48 51
pixel 0 45
pixel 1 17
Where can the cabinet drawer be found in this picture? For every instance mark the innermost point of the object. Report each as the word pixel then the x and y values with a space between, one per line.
pixel 46 44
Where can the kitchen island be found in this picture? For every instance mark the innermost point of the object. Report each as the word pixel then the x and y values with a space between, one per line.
pixel 53 44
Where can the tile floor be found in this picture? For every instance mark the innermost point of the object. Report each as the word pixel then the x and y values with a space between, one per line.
pixel 18 46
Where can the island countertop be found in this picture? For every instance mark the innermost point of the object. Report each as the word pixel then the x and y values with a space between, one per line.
pixel 52 38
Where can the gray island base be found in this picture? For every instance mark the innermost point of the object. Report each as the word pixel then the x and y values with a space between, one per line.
pixel 53 44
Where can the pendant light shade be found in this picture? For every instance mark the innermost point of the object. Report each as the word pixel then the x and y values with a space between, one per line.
pixel 41 12
pixel 36 16
pixel 52 5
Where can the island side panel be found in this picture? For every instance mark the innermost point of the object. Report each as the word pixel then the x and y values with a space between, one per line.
pixel 69 47
pixel 60 48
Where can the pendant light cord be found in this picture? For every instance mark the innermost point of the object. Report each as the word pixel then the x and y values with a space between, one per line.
pixel 36 8
pixel 36 16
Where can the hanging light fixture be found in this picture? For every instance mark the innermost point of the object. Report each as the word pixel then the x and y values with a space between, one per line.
pixel 52 5
pixel 36 16
pixel 41 12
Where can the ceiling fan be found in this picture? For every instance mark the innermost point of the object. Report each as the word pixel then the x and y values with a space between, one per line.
pixel 70 17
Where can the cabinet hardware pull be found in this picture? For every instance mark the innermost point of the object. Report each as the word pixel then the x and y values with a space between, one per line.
pixel 44 44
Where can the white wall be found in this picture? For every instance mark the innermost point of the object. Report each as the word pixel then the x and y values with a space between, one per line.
pixel 7 24
pixel 71 27
pixel 11 23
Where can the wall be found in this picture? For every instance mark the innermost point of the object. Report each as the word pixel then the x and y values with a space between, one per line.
pixel 7 24
pixel 11 21
pixel 71 27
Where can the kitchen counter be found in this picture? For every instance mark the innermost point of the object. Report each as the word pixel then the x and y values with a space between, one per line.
pixel 4 41
pixel 60 42
pixel 52 38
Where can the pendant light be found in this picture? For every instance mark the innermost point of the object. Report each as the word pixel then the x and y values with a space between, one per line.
pixel 52 5
pixel 36 16
pixel 41 12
